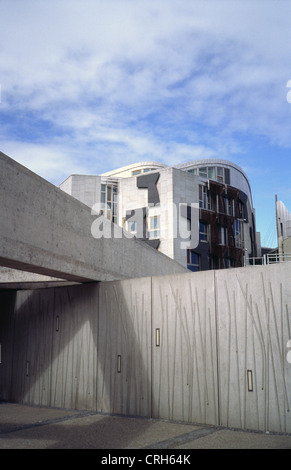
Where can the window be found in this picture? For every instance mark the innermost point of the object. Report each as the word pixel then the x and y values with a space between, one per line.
pixel 154 226
pixel 109 202
pixel 131 227
pixel 193 261
pixel 220 175
pixel 203 172
pixel 193 170
pixel 238 231
pixel 103 195
pixel 203 232
pixel 203 197
pixel 222 235
pixel 200 196
pixel 241 210
pixel 213 202
pixel 211 173
pixel 229 205
pixel 216 173
pixel 145 170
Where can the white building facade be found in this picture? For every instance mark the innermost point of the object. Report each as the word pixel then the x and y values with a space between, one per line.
pixel 198 213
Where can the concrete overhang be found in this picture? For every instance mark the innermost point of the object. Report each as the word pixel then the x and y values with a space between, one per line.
pixel 48 232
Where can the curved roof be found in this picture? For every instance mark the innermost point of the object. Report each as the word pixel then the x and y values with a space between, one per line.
pixel 219 162
pixel 210 161
pixel 128 169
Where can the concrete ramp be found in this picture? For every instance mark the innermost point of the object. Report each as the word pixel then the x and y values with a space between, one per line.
pixel 47 232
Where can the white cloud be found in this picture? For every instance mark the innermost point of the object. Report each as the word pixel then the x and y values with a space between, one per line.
pixel 165 78
pixel 50 162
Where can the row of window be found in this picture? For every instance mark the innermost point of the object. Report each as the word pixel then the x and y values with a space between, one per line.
pixel 145 170
pixel 216 173
pixel 194 262
pixel 209 201
pixel 238 233
pixel 153 231
pixel 153 226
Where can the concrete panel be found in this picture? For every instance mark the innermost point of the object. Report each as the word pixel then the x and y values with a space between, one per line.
pixel 32 342
pixel 74 347
pixel 7 305
pixel 48 232
pixel 184 373
pixel 124 347
pixel 254 317
pixel 52 356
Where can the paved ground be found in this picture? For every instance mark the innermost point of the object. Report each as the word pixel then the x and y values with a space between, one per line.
pixel 25 427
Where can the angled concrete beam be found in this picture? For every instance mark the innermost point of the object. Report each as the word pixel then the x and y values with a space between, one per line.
pixel 45 231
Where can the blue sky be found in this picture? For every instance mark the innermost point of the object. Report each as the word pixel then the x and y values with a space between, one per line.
pixel 88 86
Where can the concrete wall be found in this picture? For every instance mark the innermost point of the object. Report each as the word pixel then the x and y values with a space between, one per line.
pixel 253 328
pixel 210 347
pixel 85 188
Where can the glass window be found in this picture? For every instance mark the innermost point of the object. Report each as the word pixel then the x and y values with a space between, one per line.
pixel 229 206
pixel 200 196
pixel 203 197
pixel 227 175
pixel 108 199
pixel 241 210
pixel 211 173
pixel 222 234
pixel 238 231
pixel 193 170
pixel 193 261
pixel 154 228
pixel 220 174
pixel 155 222
pixel 132 227
pixel 109 193
pixel 136 172
pixel 203 232
pixel 203 172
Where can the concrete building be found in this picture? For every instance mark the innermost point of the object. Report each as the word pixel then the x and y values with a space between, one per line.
pixel 199 213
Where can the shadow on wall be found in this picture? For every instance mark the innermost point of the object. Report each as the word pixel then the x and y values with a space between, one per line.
pixel 99 347
pixel 63 353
